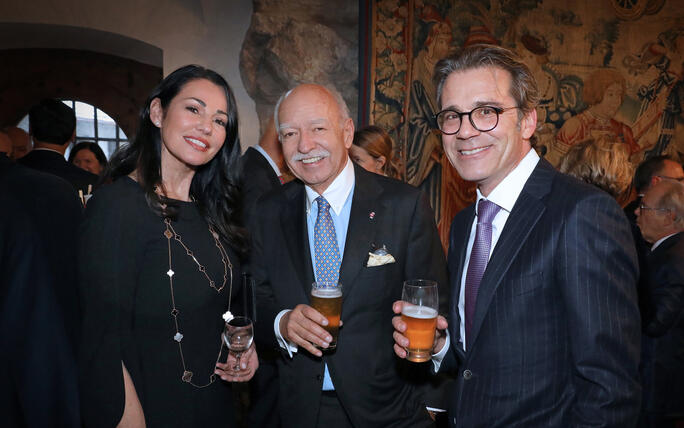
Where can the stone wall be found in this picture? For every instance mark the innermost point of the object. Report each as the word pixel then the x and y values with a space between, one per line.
pixel 294 41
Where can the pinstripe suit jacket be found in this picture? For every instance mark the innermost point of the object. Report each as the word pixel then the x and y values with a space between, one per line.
pixel 556 327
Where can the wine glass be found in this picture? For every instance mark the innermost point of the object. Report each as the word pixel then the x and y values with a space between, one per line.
pixel 238 335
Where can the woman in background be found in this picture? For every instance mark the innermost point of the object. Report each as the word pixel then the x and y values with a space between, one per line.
pixel 372 150
pixel 89 156
pixel 601 163
pixel 160 262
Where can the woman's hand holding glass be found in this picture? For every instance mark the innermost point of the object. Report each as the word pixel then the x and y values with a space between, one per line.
pixel 249 363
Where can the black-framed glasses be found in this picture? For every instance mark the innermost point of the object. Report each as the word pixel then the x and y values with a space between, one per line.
pixel 665 177
pixel 483 118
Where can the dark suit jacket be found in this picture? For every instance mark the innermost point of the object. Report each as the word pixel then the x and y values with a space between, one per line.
pixel 662 365
pixel 257 178
pixel 556 324
pixel 54 163
pixel 366 374
pixel 37 365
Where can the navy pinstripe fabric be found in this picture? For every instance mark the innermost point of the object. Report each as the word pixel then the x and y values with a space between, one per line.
pixel 556 328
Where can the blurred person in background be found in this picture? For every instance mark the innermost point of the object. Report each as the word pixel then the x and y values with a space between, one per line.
pixel 21 142
pixel 89 156
pixel 601 163
pixel 372 150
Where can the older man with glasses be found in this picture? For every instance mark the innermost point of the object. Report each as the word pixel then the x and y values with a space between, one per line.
pixel 660 217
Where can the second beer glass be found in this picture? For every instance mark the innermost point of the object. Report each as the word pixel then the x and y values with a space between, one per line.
pixel 421 304
pixel 326 298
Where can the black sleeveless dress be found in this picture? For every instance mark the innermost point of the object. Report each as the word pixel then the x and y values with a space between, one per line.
pixel 127 305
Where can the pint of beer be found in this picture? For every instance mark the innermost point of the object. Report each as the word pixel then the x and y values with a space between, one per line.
pixel 326 298
pixel 421 304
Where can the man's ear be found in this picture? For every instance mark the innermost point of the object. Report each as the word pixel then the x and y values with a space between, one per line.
pixel 380 161
pixel 528 124
pixel 156 112
pixel 348 132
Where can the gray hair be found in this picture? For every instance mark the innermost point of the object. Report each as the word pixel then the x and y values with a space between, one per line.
pixel 523 85
pixel 673 199
pixel 341 104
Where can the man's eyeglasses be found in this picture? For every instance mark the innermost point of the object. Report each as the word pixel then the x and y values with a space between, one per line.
pixel 665 177
pixel 643 207
pixel 484 118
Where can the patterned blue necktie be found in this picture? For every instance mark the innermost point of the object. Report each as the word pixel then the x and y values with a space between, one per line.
pixel 325 244
pixel 479 256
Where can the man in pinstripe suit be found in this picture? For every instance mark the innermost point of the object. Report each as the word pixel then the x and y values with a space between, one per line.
pixel 543 326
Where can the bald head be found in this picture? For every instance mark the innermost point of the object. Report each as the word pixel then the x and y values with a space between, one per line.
pixel 314 88
pixel 21 142
pixel 315 131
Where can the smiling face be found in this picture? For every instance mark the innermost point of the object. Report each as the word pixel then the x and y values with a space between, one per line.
pixel 485 158
pixel 193 125
pixel 85 159
pixel 314 135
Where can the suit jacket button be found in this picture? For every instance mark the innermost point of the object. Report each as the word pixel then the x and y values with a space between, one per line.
pixel 467 374
pixel 319 377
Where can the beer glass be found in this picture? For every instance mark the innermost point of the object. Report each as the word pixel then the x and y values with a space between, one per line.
pixel 421 305
pixel 326 298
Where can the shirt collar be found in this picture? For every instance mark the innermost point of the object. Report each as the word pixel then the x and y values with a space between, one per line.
pixel 661 240
pixel 506 193
pixel 336 194
pixel 261 150
pixel 45 149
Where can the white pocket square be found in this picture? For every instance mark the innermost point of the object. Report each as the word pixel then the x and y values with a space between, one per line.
pixel 379 257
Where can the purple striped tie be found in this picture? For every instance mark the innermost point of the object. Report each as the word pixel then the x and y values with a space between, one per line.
pixel 486 211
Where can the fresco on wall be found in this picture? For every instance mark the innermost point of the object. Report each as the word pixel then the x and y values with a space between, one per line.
pixel 605 68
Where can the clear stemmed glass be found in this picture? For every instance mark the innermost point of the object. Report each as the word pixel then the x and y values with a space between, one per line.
pixel 238 335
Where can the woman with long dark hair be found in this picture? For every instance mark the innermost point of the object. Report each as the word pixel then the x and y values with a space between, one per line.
pixel 160 254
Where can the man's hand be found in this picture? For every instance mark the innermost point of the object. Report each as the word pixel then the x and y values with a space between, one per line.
pixel 401 342
pixel 302 326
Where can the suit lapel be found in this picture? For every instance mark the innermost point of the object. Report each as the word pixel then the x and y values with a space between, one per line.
pixel 526 212
pixel 360 232
pixel 458 246
pixel 293 223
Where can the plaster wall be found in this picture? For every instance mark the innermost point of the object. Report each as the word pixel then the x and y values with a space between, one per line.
pixel 205 32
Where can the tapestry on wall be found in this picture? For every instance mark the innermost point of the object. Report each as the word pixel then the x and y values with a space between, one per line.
pixel 609 69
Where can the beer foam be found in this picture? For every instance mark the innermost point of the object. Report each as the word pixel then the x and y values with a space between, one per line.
pixel 326 293
pixel 422 312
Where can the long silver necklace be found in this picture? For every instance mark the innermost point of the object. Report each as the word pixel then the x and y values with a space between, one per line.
pixel 170 233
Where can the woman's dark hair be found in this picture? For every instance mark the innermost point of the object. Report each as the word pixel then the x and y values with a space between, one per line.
pixel 215 184
pixel 93 147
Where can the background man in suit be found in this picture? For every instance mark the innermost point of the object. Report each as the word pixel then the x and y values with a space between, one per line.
pixel 661 220
pixel 360 384
pixel 52 125
pixel 261 167
pixel 544 324
pixel 38 309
